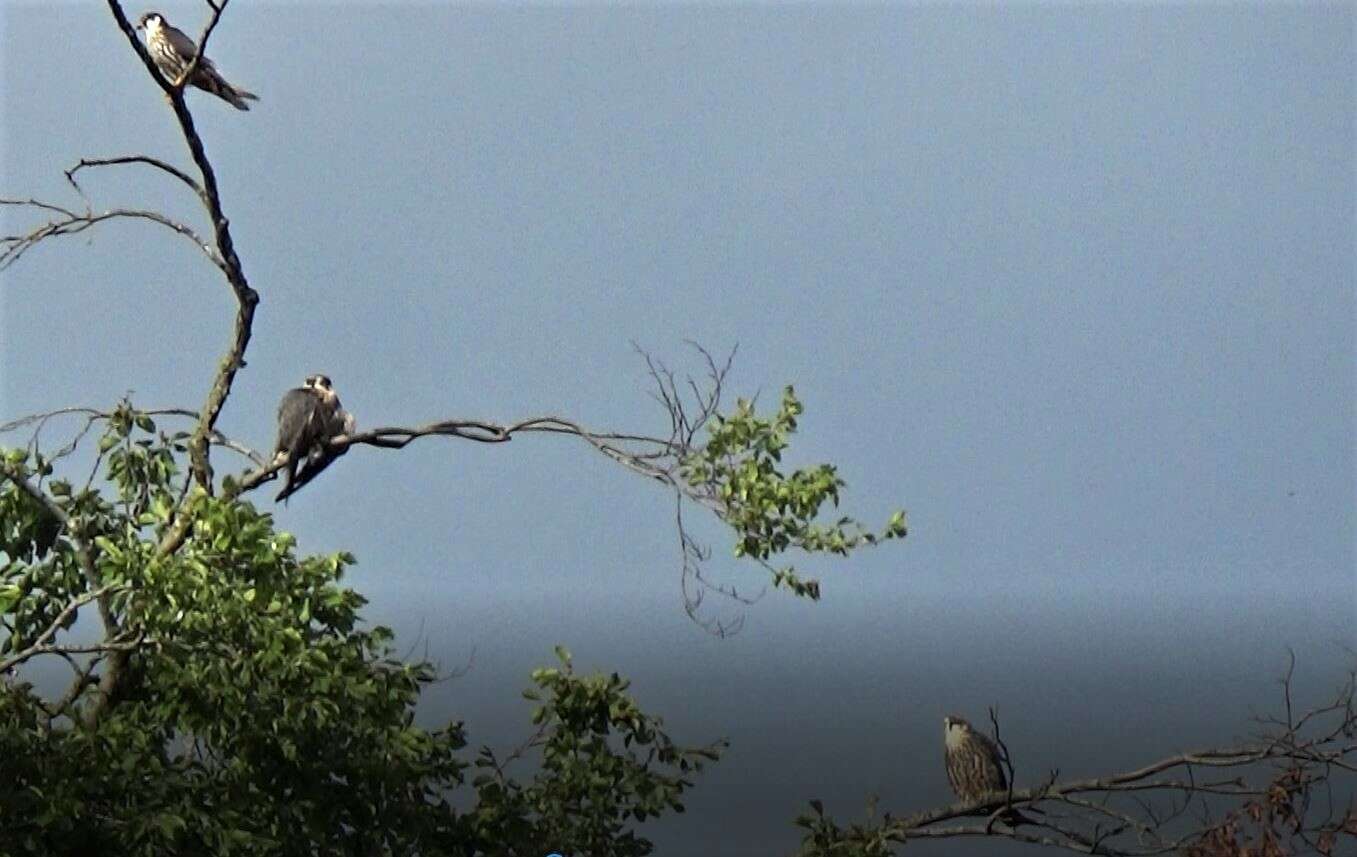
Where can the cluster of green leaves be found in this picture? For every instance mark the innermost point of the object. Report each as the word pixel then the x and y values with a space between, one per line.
pixel 37 559
pixel 259 715
pixel 604 763
pixel 771 511
pixel 825 837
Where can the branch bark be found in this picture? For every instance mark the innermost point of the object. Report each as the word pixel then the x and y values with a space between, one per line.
pixel 655 458
pixel 86 163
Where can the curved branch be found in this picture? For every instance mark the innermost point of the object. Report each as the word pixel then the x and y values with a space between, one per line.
pixel 12 247
pixel 656 459
pixel 172 170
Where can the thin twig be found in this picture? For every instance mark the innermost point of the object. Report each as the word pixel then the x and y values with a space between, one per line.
pixel 13 247
pixel 170 169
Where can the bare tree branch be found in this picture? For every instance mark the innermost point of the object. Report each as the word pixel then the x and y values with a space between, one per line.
pixel 172 170
pixel 695 585
pixel 12 247
pixel 650 456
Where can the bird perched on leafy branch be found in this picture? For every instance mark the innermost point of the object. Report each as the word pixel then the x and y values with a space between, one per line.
pixel 308 417
pixel 974 766
pixel 173 51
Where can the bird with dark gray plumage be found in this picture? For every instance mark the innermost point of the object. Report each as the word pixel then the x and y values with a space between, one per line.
pixel 323 455
pixel 173 51
pixel 308 417
pixel 975 769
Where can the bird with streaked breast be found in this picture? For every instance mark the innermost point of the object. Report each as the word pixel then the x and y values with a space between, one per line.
pixel 974 767
pixel 172 52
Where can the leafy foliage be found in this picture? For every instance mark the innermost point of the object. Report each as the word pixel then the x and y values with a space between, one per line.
pixel 824 837
pixel 772 511
pixel 588 788
pixel 253 712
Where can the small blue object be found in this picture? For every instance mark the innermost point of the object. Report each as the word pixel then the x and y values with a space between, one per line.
pixel 553 854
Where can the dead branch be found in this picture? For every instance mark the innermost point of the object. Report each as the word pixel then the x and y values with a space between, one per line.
pixel 695 585
pixel 13 247
pixel 87 163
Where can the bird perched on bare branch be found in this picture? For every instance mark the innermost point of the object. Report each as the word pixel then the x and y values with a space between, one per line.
pixel 173 51
pixel 974 766
pixel 308 417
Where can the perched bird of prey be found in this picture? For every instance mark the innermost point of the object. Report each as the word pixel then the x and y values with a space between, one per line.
pixel 173 51
pixel 308 417
pixel 322 455
pixel 974 767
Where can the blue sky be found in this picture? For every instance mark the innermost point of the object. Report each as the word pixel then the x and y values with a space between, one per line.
pixel 1072 284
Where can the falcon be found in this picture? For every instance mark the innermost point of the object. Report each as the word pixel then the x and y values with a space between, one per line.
pixel 173 51
pixel 974 767
pixel 308 417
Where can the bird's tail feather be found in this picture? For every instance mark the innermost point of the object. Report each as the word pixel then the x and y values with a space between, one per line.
pixel 291 475
pixel 235 96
